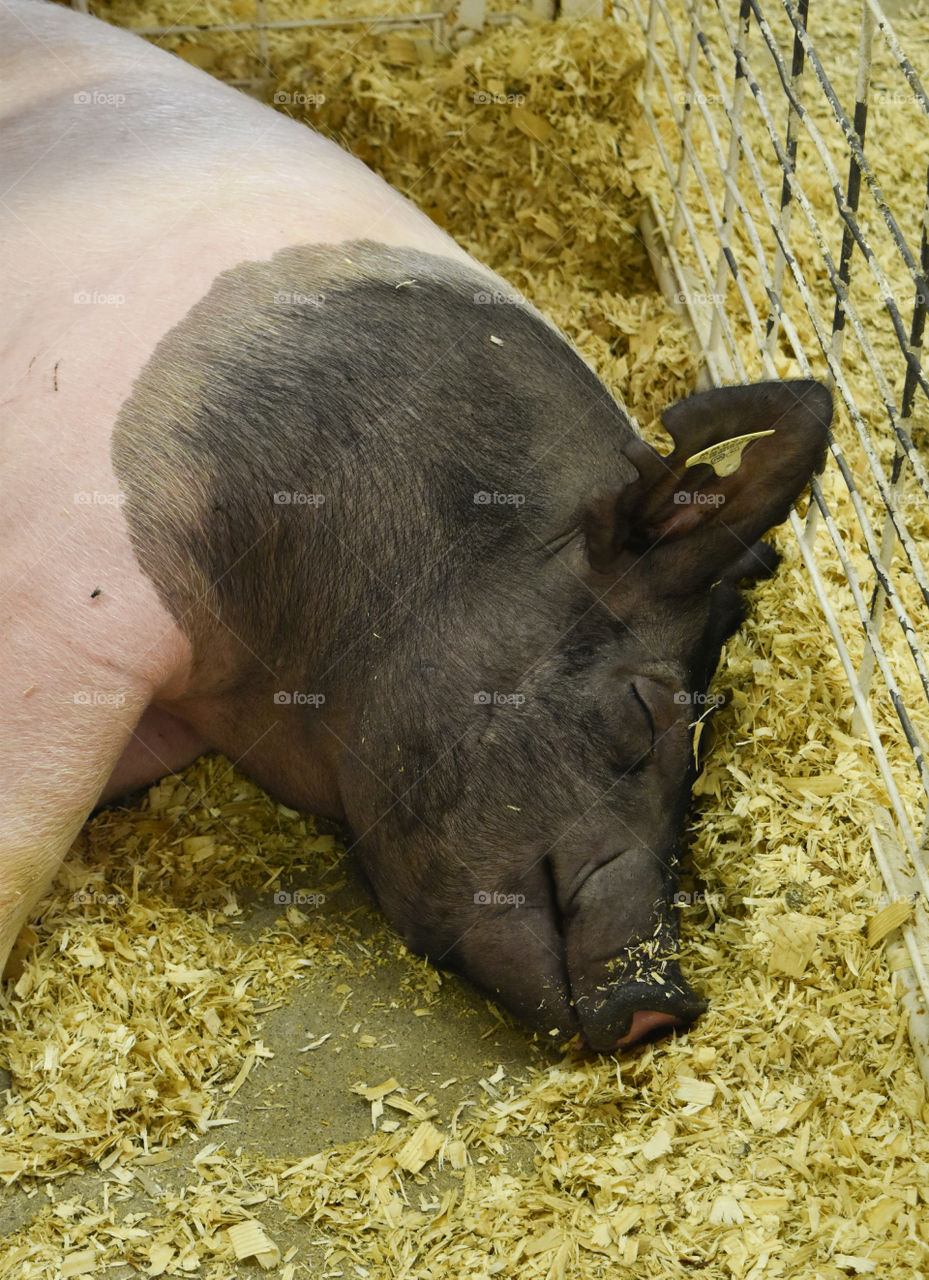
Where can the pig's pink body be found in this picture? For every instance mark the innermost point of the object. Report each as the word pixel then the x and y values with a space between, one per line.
pixel 130 181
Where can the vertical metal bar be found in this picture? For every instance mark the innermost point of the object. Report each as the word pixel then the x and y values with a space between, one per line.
pixel 854 178
pixel 726 263
pixel 687 115
pixel 888 535
pixel 651 41
pixel 920 306
pixel 790 146
pixel 263 54
pixel 797 69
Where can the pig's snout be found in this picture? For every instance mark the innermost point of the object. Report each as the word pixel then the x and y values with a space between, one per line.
pixel 621 938
pixel 639 1011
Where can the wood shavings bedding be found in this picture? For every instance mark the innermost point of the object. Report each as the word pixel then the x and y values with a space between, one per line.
pixel 784 1136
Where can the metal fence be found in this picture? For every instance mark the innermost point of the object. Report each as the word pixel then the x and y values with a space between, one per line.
pixel 786 243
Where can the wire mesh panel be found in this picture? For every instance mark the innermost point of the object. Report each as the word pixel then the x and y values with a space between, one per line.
pixel 789 220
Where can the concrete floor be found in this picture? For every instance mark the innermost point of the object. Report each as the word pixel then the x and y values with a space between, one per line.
pixel 296 1104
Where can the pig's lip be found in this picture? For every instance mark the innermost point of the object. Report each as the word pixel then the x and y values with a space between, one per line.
pixel 646 1025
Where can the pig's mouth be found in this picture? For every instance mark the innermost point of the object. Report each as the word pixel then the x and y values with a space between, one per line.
pixel 647 1025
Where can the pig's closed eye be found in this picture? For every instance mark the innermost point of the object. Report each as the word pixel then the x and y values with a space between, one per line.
pixel 633 734
pixel 645 707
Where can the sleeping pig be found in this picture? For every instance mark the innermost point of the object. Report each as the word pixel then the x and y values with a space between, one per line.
pixel 289 476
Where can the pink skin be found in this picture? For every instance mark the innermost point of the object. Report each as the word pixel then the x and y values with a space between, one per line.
pixel 647 1024
pixel 139 193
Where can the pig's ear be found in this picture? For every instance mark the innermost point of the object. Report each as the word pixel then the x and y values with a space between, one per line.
pixel 741 457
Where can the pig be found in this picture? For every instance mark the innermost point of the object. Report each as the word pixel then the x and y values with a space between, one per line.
pixel 289 476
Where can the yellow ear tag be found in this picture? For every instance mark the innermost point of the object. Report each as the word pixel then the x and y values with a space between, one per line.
pixel 698 733
pixel 726 456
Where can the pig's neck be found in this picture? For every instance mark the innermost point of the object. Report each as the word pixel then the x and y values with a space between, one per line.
pixel 284 746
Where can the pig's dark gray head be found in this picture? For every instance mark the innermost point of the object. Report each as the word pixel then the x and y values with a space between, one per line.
pixel 508 600
pixel 528 831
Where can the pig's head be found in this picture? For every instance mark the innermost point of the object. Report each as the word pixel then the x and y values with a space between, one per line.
pixel 525 826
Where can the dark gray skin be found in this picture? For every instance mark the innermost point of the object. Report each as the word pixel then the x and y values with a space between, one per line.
pixel 601 600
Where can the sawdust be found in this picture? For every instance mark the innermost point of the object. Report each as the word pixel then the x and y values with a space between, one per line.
pixel 785 1135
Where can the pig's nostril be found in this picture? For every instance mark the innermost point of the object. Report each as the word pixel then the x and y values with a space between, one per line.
pixel 646 1025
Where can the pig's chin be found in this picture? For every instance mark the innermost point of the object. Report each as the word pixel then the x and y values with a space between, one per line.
pixel 516 957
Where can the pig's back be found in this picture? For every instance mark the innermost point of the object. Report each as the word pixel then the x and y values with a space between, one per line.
pixel 128 171
pixel 131 182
